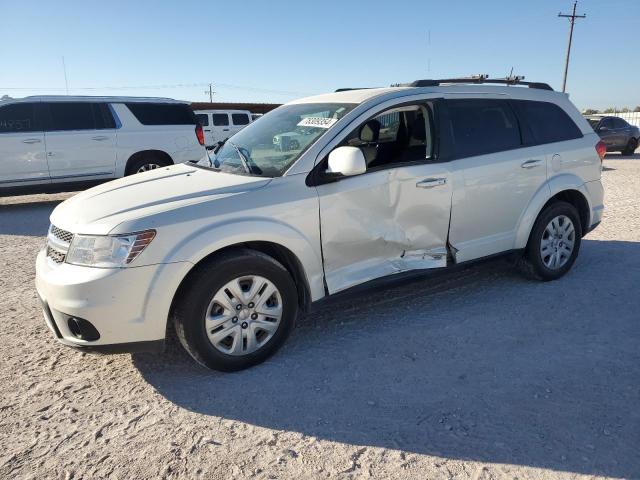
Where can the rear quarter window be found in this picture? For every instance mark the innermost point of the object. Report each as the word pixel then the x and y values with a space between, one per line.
pixel 547 122
pixel 162 113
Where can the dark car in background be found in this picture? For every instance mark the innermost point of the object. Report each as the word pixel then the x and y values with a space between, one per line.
pixel 616 133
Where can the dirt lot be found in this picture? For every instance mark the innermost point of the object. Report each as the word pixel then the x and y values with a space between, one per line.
pixel 480 374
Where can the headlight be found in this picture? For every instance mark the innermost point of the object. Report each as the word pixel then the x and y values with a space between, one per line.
pixel 108 251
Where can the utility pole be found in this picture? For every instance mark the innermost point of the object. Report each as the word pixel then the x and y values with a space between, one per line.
pixel 210 92
pixel 572 19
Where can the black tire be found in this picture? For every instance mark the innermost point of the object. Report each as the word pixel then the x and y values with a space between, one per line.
pixel 532 263
pixel 631 147
pixel 189 311
pixel 149 159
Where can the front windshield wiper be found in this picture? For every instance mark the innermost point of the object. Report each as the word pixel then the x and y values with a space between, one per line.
pixel 243 160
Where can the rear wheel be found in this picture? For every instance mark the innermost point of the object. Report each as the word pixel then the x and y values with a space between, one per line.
pixel 631 147
pixel 236 310
pixel 146 163
pixel 554 242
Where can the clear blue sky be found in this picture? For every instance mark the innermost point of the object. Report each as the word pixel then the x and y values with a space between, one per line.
pixel 274 51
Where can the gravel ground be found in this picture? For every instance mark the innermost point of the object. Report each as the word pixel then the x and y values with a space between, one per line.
pixel 477 374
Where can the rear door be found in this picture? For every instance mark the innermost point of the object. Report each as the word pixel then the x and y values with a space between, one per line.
pixel 495 175
pixel 80 139
pixel 622 132
pixel 22 149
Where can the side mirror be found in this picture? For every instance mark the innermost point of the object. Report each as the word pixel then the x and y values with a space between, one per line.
pixel 347 161
pixel 603 129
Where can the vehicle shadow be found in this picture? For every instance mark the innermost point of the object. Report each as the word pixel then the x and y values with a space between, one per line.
pixel 27 219
pixel 619 156
pixel 479 364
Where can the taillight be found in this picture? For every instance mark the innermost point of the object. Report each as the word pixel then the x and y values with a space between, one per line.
pixel 601 148
pixel 200 134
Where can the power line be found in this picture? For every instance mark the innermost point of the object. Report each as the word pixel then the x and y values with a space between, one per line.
pixel 572 19
pixel 160 87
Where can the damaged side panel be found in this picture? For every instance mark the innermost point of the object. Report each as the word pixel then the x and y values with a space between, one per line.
pixel 384 222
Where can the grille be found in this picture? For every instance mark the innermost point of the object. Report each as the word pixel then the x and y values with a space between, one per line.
pixel 62 235
pixel 55 255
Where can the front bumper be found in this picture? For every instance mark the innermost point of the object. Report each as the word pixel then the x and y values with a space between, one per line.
pixel 128 307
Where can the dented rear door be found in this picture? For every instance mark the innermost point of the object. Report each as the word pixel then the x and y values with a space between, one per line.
pixel 384 222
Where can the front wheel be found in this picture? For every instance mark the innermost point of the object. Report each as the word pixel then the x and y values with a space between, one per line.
pixel 236 310
pixel 554 242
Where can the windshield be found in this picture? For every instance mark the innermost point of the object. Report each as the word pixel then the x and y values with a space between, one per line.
pixel 269 147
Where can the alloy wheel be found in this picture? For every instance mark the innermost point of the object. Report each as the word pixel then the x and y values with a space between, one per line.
pixel 243 315
pixel 558 241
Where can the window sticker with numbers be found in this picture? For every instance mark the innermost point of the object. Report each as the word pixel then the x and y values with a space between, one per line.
pixel 319 122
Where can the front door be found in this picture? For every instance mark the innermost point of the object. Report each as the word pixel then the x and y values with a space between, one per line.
pixel 394 217
pixel 80 141
pixel 22 148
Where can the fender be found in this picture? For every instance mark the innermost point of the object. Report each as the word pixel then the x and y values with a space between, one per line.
pixel 212 238
pixel 553 186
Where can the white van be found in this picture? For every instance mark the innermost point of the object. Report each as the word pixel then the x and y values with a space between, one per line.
pixel 61 143
pixel 218 125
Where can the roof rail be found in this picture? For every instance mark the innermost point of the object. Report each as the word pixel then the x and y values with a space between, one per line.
pixel 348 89
pixel 477 79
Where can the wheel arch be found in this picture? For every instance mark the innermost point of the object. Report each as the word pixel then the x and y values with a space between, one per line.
pixel 150 153
pixel 568 188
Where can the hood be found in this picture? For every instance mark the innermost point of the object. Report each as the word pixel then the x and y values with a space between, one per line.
pixel 100 209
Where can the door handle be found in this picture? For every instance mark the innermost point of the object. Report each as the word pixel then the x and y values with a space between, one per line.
pixel 225 129
pixel 51 154
pixel 531 163
pixel 31 140
pixel 431 182
pixel 100 138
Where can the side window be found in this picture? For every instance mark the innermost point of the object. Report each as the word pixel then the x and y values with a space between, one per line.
pixel 399 135
pixel 607 123
pixel 479 127
pixel 103 117
pixel 240 118
pixel 203 119
pixel 220 119
pixel 162 113
pixel 548 122
pixel 18 117
pixel 70 116
pixel 619 123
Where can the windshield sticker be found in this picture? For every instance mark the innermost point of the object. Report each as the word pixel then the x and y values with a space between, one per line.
pixel 319 122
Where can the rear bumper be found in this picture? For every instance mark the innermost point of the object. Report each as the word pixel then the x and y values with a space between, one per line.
pixel 595 193
pixel 127 308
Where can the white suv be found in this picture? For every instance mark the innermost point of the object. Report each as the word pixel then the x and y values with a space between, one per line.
pixel 392 180
pixel 62 142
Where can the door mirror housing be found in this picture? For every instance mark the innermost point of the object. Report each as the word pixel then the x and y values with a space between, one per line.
pixel 347 161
